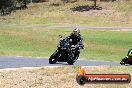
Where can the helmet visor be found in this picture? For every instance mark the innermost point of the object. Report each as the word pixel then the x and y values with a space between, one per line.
pixel 76 32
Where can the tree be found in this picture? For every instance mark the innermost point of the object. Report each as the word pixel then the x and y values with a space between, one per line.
pixel 95 3
pixel 7 6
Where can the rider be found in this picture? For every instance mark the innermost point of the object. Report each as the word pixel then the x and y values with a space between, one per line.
pixel 76 40
pixel 129 55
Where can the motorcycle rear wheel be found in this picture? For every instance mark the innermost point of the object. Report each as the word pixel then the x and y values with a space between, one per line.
pixel 70 62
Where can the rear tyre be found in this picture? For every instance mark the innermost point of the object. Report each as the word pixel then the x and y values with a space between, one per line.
pixel 131 63
pixel 53 58
pixel 70 62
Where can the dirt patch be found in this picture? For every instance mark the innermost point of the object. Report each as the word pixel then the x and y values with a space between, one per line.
pixel 108 14
pixel 61 77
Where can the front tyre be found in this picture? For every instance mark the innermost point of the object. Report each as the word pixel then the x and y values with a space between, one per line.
pixel 123 61
pixel 53 58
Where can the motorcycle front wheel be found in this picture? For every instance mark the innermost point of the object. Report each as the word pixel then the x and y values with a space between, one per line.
pixel 53 58
pixel 123 61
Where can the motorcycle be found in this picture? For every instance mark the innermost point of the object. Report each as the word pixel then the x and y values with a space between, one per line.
pixel 65 52
pixel 126 61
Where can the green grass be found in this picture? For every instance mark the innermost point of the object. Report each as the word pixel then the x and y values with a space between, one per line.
pixel 107 44
pixel 116 14
pixel 41 42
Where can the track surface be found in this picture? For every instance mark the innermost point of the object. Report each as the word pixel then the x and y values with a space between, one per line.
pixel 69 27
pixel 17 62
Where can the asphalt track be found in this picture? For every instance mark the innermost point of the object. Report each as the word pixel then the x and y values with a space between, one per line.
pixel 18 62
pixel 86 28
pixel 69 27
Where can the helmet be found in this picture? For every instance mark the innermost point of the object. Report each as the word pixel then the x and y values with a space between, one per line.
pixel 76 31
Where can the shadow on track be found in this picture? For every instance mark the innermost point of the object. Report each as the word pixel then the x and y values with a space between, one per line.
pixel 62 63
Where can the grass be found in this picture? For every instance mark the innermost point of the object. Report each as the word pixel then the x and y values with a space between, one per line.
pixel 116 14
pixel 41 42
pixel 106 44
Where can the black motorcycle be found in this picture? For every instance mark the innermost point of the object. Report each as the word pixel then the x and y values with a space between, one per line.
pixel 126 61
pixel 65 52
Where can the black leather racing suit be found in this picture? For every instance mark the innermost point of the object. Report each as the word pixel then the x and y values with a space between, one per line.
pixel 76 40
